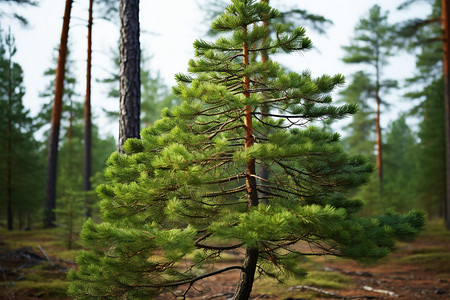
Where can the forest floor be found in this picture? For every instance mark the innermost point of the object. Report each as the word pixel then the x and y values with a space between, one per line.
pixel 34 265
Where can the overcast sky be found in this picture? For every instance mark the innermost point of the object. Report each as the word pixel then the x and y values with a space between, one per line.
pixel 168 29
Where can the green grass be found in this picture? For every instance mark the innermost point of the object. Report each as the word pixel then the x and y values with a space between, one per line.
pixel 40 281
pixel 68 255
pixel 431 256
pixel 49 239
pixel 438 261
pixel 435 230
pixel 38 289
pixel 19 239
pixel 45 281
pixel 319 279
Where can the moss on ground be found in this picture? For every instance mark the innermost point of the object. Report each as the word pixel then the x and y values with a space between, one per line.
pixel 319 279
pixel 431 252
pixel 38 289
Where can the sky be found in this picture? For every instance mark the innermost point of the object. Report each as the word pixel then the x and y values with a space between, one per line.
pixel 168 29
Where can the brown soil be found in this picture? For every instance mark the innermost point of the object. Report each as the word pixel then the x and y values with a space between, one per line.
pixel 393 278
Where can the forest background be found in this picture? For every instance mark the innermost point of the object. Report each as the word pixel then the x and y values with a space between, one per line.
pixel 412 113
pixel 166 39
pixel 167 35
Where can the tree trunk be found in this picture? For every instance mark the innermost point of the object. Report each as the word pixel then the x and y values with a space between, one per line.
pixel 446 70
pixel 379 141
pixel 50 193
pixel 9 156
pixel 379 161
pixel 87 115
pixel 263 172
pixel 130 78
pixel 245 283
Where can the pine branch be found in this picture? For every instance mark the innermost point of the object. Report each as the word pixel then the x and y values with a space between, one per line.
pixel 278 115
pixel 228 179
pixel 211 108
pixel 227 192
pixel 275 100
pixel 225 129
pixel 190 281
pixel 219 248
pixel 217 114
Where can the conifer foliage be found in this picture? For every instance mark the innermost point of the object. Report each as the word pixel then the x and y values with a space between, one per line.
pixel 187 190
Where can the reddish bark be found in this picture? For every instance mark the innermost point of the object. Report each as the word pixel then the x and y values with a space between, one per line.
pixel 50 196
pixel 247 276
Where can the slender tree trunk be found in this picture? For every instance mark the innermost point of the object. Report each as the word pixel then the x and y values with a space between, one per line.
pixel 130 78
pixel 50 195
pixel 245 284
pixel 446 70
pixel 69 130
pixel 263 172
pixel 10 214
pixel 379 141
pixel 87 115
pixel 9 157
pixel 379 159
pixel 20 215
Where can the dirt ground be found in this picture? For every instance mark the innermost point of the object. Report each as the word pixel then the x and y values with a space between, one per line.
pixel 418 270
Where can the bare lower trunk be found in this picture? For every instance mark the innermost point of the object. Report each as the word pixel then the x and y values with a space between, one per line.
pixel 10 214
pixel 9 209
pixel 379 144
pixel 87 116
pixel 446 70
pixel 50 192
pixel 130 78
pixel 50 195
pixel 245 284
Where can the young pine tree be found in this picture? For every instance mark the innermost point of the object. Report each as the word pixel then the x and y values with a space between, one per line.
pixel 70 216
pixel 187 190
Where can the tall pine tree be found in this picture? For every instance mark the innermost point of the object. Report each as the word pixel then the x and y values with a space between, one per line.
pixel 372 45
pixel 108 10
pixel 430 187
pixel 424 37
pixel 52 160
pixel 71 143
pixel 189 186
pixel 20 166
pixel 130 74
